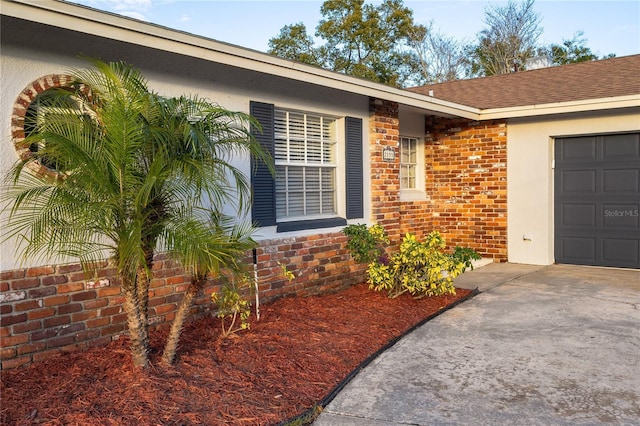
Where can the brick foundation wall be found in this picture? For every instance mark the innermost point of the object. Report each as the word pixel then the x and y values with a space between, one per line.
pixel 51 309
pixel 320 262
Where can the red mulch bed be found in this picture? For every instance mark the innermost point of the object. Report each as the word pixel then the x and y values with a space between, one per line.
pixel 289 361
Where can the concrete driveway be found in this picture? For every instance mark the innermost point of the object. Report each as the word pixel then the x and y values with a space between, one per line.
pixel 556 345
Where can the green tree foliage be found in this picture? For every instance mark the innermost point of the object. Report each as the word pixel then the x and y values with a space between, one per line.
pixel 296 44
pixel 362 40
pixel 571 51
pixel 133 172
pixel 509 38
pixel 381 42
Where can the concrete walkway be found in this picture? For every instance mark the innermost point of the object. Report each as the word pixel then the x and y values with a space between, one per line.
pixel 555 345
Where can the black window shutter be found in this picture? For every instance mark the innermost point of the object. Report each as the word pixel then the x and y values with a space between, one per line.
pixel 354 173
pixel 263 211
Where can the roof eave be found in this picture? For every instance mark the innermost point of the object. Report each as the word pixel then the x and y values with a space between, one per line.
pixel 599 104
pixel 91 21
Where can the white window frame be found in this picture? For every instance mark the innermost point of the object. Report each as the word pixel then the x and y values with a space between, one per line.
pixel 328 159
pixel 417 192
pixel 408 162
pixel 41 112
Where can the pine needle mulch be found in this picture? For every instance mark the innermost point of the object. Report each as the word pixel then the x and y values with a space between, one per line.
pixel 290 360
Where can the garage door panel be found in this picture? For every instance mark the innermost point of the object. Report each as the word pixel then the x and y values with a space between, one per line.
pixel 620 146
pixel 580 215
pixel 621 216
pixel 620 251
pixel 620 180
pixel 597 200
pixel 581 149
pixel 578 181
pixel 578 249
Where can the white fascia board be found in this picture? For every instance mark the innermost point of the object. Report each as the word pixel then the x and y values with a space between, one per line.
pixel 90 21
pixel 618 102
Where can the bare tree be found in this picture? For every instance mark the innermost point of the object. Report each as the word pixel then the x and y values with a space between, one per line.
pixel 510 37
pixel 438 57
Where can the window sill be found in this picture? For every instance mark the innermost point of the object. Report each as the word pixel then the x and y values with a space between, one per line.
pixel 299 225
pixel 413 195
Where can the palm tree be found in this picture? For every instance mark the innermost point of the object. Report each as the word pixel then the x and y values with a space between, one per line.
pixel 133 172
pixel 205 247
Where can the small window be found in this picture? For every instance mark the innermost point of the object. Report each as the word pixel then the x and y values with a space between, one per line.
pixel 408 162
pixel 305 157
pixel 59 109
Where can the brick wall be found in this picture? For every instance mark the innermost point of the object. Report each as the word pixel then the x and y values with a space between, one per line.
pixel 384 126
pixel 466 181
pixel 466 178
pixel 398 217
pixel 416 217
pixel 320 263
pixel 52 309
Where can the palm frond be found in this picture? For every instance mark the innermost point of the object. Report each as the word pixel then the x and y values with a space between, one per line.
pixel 207 245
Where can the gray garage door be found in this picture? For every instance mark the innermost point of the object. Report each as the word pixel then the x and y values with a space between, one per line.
pixel 597 198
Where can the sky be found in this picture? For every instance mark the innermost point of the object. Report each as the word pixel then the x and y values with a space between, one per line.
pixel 608 26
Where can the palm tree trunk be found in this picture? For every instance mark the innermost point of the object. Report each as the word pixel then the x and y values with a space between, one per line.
pixel 138 333
pixel 143 281
pixel 169 353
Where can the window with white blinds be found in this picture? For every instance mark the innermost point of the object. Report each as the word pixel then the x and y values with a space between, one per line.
pixel 408 162
pixel 305 157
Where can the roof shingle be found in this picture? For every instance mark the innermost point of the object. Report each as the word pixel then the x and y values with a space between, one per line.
pixel 573 82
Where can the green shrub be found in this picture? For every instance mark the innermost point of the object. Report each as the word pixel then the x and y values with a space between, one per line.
pixel 419 268
pixel 286 273
pixel 232 307
pixel 366 244
pixel 465 255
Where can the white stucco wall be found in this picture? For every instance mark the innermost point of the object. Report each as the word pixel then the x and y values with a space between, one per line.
pixel 530 152
pixel 24 60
